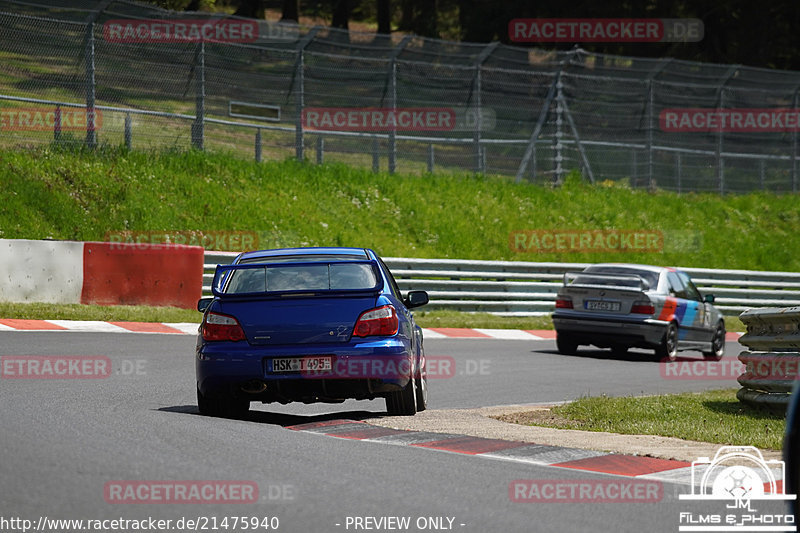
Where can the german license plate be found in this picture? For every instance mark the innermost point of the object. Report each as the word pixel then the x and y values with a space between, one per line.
pixel 302 364
pixel 601 305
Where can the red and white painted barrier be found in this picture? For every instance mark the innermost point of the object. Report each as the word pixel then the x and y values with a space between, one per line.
pixel 100 273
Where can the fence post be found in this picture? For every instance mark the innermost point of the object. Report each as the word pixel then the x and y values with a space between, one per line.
pixel 320 150
pixel 300 87
pixel 393 101
pixel 651 182
pixel 57 124
pixel 557 145
pixel 480 163
pixel 794 143
pixel 430 159
pixel 258 145
pixel 198 127
pixel 761 173
pixel 533 161
pixel 376 155
pixel 523 165
pixel 678 170
pixel 720 104
pixel 91 133
pixel 634 169
pixel 128 131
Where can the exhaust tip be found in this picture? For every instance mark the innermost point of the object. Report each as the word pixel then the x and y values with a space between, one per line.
pixel 254 386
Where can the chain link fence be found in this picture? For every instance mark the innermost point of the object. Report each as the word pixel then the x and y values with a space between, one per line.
pixel 117 72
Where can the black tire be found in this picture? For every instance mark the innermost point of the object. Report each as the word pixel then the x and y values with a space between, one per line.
pixel 717 344
pixel 566 345
pixel 221 406
pixel 422 391
pixel 668 349
pixel 402 403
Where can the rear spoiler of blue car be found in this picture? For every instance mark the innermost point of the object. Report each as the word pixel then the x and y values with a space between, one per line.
pixel 598 280
pixel 296 279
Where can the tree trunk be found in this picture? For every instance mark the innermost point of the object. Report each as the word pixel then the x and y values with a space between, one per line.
pixel 384 16
pixel 253 9
pixel 290 11
pixel 341 14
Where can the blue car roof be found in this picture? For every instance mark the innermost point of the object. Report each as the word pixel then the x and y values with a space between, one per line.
pixel 305 251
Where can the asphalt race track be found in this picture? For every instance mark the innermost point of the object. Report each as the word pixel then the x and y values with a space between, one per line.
pixel 65 440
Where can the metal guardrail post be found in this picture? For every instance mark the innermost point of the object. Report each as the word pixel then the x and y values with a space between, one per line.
pixel 258 145
pixel 772 363
pixel 91 132
pixel 198 127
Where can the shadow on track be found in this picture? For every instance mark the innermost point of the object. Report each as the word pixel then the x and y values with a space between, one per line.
pixel 283 419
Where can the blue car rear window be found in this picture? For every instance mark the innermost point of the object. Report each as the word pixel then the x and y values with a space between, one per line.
pixel 302 278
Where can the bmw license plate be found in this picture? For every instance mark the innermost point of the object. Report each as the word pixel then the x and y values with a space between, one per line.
pixel 302 364
pixel 601 305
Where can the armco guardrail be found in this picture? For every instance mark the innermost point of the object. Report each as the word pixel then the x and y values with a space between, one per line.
pixel 772 363
pixel 526 288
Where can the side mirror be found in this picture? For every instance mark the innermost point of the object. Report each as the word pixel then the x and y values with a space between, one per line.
pixel 203 303
pixel 416 299
pixel 709 298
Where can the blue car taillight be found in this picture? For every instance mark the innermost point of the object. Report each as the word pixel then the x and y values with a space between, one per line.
pixel 219 327
pixel 378 321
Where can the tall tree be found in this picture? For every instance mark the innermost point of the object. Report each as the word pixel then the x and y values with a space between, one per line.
pixel 341 14
pixel 250 8
pixel 290 11
pixel 384 16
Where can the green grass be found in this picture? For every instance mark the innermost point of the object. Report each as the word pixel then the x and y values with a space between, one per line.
pixel 714 416
pixel 141 313
pixel 125 313
pixel 75 194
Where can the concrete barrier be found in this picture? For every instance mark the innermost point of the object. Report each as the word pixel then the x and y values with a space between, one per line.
pixel 66 272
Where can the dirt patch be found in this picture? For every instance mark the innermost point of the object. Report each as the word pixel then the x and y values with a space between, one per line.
pixel 539 417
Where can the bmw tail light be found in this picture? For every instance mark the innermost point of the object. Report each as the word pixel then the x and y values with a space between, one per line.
pixel 378 321
pixel 219 327
pixel 563 302
pixel 643 308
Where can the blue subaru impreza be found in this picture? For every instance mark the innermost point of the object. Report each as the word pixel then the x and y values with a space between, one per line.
pixel 309 325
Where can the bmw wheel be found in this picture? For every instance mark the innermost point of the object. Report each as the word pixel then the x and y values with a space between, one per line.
pixel 668 349
pixel 565 345
pixel 717 344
